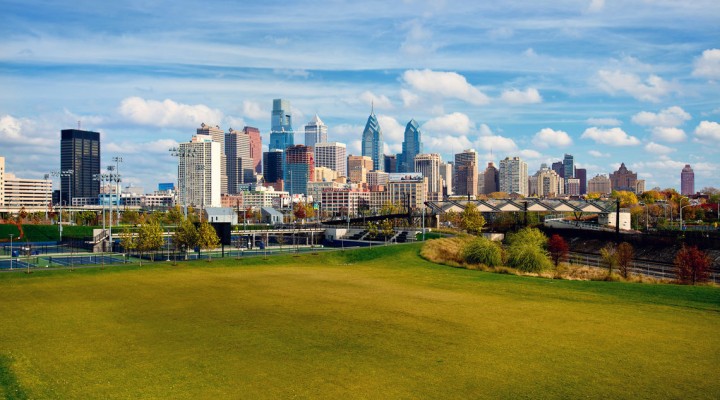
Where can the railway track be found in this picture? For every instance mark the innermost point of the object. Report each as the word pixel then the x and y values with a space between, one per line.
pixel 649 268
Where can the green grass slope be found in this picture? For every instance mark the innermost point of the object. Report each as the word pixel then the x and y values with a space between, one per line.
pixel 372 323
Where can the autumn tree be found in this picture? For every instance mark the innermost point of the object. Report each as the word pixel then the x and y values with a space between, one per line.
pixel 127 240
pixel 627 198
pixel 185 237
pixel 207 237
pixel 608 256
pixel 175 216
pixel 691 265
pixel 386 228
pixel 624 255
pixel 558 249
pixel 150 237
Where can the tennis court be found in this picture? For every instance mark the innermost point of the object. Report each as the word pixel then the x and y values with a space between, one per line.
pixel 66 261
pixel 16 263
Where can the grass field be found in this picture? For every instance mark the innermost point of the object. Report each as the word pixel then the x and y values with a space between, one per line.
pixel 374 323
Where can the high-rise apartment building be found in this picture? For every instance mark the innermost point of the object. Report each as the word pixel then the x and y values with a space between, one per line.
pixel 545 183
pixel 255 147
pixel 282 135
pixel 411 146
pixel 491 179
pixel 315 132
pixel 465 177
pixel 513 176
pixel 429 166
pixel 199 174
pixel 581 174
pixel 79 152
pixel 599 184
pixel 299 169
pixel 332 155
pixel 372 142
pixel 240 166
pixel 390 163
pixel 687 181
pixel 2 180
pixel 446 176
pixel 217 135
pixel 623 179
pixel 273 166
pixel 573 186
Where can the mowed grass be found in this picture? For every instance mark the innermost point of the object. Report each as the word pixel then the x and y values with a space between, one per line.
pixel 374 323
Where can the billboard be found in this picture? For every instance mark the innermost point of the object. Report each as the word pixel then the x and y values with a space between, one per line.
pixel 405 177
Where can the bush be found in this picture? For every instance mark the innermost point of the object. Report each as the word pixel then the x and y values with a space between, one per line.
pixel 528 236
pixel 482 251
pixel 528 258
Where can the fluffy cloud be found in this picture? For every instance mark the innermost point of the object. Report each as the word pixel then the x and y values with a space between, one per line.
pixel 598 154
pixel 381 101
pixel 708 131
pixel 447 144
pixel 652 89
pixel 669 117
pixel 23 132
pixel 252 110
pixel 668 134
pixel 496 143
pixel 446 84
pixel 527 154
pixel 603 122
pixel 515 96
pixel 409 98
pixel 611 137
pixel 708 65
pixel 455 123
pixel 551 138
pixel 418 40
pixel 168 113
pixel 596 5
pixel 655 148
pixel 393 132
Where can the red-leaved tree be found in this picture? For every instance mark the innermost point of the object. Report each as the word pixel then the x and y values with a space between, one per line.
pixel 625 254
pixel 558 249
pixel 691 265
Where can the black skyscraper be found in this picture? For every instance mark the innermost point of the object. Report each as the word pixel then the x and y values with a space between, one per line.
pixel 273 166
pixel 80 152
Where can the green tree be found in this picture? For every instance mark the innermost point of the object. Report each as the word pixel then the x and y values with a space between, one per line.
pixel 526 250
pixel 127 240
pixel 185 237
pixel 149 238
pixel 131 217
pixel 372 230
pixel 471 219
pixel 386 228
pixel 531 236
pixel 175 215
pixel 207 238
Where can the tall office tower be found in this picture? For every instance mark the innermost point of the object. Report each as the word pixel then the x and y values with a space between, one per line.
pixel 491 179
pixel 199 174
pixel 315 132
pixel 599 184
pixel 623 179
pixel 239 162
pixel 79 152
pixel 429 166
pixel 687 181
pixel 273 166
pixel 281 131
pixel 559 168
pixel 2 181
pixel 255 147
pixel 411 147
pixel 465 176
pixel 299 168
pixel 332 155
pixel 217 135
pixel 581 174
pixel 545 183
pixel 390 163
pixel 568 169
pixel 446 177
pixel 513 176
pixel 372 142
pixel 358 167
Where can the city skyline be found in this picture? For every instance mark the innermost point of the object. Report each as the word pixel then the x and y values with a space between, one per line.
pixel 587 78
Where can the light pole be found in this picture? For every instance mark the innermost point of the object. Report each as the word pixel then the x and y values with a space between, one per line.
pixel 11 250
pixel 647 216
pixel 117 160
pixel 681 207
pixel 60 174
pixel 201 168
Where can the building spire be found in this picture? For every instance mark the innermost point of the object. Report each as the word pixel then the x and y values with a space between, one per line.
pixel 372 107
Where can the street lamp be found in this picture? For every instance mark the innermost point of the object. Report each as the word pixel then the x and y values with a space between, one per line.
pixel 11 251
pixel 201 168
pixel 60 174
pixel 183 153
pixel 117 160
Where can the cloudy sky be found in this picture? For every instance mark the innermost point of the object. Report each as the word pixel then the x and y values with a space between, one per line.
pixel 608 81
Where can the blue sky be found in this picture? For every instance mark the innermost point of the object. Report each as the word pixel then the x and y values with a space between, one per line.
pixel 607 81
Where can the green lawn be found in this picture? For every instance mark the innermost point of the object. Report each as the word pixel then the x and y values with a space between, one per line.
pixel 375 323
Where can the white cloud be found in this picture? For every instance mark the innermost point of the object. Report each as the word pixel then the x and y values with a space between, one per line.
pixel 547 137
pixel 616 81
pixel 160 146
pixel 515 96
pixel 655 148
pixel 527 154
pixel 708 131
pixel 168 113
pixel 446 144
pixel 455 123
pixel 596 5
pixel 598 154
pixel 393 132
pixel 446 84
pixel 496 143
pixel 252 110
pixel 669 117
pixel 23 132
pixel 708 65
pixel 530 53
pixel 668 134
pixel 485 130
pixel 381 101
pixel 610 137
pixel 603 121
pixel 409 98
pixel 418 40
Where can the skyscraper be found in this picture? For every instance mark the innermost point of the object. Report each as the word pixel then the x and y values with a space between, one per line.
pixel 79 152
pixel 513 176
pixel 239 163
pixel 199 175
pixel 491 179
pixel 299 169
pixel 466 173
pixel 372 142
pixel 623 179
pixel 281 131
pixel 558 167
pixel 411 147
pixel 581 174
pixel 217 135
pixel 687 181
pixel 255 147
pixel 332 155
pixel 429 166
pixel 273 166
pixel 568 170
pixel 315 132
pixel 545 183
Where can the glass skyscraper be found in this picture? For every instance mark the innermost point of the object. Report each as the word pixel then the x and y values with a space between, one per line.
pixel 315 132
pixel 281 131
pixel 372 142
pixel 80 152
pixel 411 147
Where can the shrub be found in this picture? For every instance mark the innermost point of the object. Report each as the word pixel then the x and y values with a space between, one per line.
pixel 528 236
pixel 482 251
pixel 528 258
